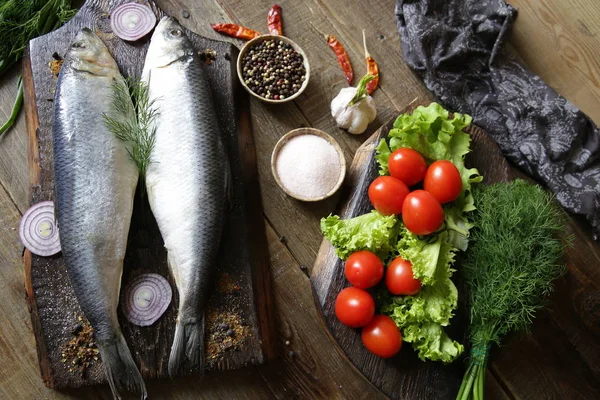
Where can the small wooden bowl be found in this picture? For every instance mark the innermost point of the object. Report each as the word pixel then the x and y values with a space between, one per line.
pixel 284 39
pixel 308 131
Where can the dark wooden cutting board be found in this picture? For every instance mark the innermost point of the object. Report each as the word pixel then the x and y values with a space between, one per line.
pixel 404 375
pixel 241 294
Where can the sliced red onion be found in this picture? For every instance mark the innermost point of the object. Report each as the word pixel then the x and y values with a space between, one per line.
pixel 146 298
pixel 38 230
pixel 132 21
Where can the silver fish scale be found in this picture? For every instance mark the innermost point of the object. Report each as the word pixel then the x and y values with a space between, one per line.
pixel 94 184
pixel 187 179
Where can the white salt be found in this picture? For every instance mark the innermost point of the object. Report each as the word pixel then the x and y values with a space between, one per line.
pixel 308 166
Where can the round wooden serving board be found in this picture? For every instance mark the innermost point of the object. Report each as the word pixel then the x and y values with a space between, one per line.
pixel 404 375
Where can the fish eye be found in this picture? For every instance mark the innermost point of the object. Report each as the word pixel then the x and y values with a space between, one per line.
pixel 78 45
pixel 175 32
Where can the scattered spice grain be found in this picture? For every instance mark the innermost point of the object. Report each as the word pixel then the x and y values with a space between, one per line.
pixel 55 66
pixel 79 353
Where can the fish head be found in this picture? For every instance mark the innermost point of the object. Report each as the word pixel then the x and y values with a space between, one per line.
pixel 89 54
pixel 169 43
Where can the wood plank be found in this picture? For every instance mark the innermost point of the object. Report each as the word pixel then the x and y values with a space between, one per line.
pixel 570 328
pixel 13 145
pixel 19 377
pixel 316 368
pixel 55 312
pixel 313 107
pixel 493 390
pixel 578 24
pixel 561 356
pixel 559 42
pixel 565 328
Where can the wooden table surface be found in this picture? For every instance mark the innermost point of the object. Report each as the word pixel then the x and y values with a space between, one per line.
pixel 558 39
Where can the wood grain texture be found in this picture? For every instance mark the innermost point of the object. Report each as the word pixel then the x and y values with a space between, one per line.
pixel 560 41
pixel 13 146
pixel 532 38
pixel 561 357
pixel 312 366
pixel 55 312
pixel 572 318
pixel 313 107
pixel 402 376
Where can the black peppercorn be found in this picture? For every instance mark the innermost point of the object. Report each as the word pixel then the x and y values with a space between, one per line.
pixel 273 69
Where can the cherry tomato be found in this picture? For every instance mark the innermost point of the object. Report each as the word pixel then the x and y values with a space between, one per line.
pixel 422 213
pixel 363 269
pixel 443 181
pixel 399 278
pixel 354 307
pixel 382 337
pixel 387 194
pixel 407 165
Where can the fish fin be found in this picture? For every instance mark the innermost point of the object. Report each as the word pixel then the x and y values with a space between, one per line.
pixel 121 371
pixel 188 342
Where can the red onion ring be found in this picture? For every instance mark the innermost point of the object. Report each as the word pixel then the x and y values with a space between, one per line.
pixel 132 21
pixel 146 298
pixel 38 230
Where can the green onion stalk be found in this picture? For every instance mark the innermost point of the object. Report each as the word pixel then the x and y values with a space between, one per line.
pixel 514 256
pixel 21 21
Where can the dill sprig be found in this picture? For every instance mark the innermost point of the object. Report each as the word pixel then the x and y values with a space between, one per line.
pixel 514 256
pixel 135 113
pixel 21 21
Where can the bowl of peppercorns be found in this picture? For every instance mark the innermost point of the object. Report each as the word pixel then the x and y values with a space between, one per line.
pixel 273 68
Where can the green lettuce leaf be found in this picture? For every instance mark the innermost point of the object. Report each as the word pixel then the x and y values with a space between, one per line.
pixel 431 342
pixel 426 254
pixel 374 232
pixel 421 318
pixel 431 132
pixel 438 297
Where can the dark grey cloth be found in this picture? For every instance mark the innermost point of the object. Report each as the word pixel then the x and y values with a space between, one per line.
pixel 456 47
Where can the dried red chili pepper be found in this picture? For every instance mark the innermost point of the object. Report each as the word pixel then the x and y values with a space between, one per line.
pixel 274 20
pixel 342 57
pixel 340 53
pixel 372 68
pixel 236 31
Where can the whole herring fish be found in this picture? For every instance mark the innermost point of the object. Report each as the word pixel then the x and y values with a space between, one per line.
pixel 187 179
pixel 95 181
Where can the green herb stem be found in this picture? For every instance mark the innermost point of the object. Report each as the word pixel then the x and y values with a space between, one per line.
pixel 361 89
pixel 15 110
pixel 513 259
pixel 466 388
pixel 463 386
pixel 21 21
pixel 133 122
pixel 480 380
pixel 4 65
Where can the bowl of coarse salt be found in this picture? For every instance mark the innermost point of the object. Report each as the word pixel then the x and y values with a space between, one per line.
pixel 308 164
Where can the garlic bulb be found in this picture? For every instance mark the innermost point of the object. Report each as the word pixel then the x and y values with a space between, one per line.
pixel 353 109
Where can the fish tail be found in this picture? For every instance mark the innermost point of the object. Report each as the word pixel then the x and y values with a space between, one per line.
pixel 188 342
pixel 121 371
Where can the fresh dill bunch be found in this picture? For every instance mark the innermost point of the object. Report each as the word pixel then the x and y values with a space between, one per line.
pixel 135 113
pixel 514 256
pixel 22 20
